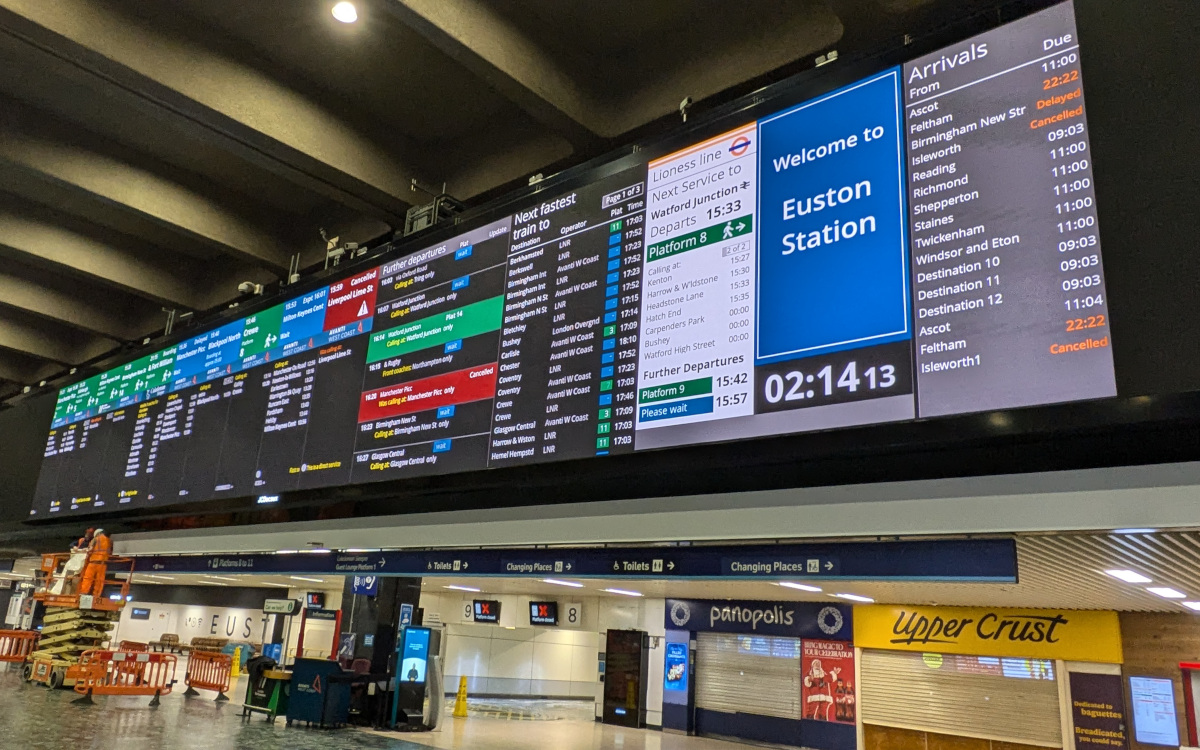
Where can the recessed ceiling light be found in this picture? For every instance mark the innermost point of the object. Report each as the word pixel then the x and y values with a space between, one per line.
pixel 345 12
pixel 855 598
pixel 1128 576
pixel 276 585
pixel 221 578
pixel 1167 593
pixel 799 586
pixel 316 551
pixel 356 551
pixel 1134 531
pixel 623 592
pixel 1192 605
pixel 463 588
pixel 287 551
pixel 557 582
pixel 310 580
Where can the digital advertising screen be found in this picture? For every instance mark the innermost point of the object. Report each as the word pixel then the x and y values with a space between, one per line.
pixel 675 667
pixel 414 660
pixel 920 243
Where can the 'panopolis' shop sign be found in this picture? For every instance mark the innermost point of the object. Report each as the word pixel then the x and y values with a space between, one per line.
pixel 1031 633
pixel 794 619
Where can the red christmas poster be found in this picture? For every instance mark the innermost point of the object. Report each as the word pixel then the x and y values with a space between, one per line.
pixel 828 691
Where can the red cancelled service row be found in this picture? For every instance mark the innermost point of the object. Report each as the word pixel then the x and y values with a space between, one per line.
pixel 351 300
pixel 458 387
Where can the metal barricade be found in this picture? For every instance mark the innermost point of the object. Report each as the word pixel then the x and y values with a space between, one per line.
pixel 16 645
pixel 208 671
pixel 103 672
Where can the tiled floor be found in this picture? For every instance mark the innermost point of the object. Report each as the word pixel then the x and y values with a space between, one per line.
pixel 528 710
pixel 476 733
pixel 36 718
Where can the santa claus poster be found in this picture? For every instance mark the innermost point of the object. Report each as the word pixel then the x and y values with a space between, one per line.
pixel 828 690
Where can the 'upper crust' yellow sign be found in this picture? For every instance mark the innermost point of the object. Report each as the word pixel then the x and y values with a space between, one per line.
pixel 1031 633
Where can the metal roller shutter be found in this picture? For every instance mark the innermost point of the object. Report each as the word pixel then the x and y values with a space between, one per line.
pixel 962 695
pixel 745 674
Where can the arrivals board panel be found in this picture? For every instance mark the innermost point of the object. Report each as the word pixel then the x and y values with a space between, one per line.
pixel 919 243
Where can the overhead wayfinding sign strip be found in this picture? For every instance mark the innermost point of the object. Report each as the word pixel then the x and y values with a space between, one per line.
pixel 984 560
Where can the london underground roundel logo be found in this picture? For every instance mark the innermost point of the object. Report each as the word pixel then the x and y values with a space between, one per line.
pixel 740 144
pixel 681 613
pixel 830 620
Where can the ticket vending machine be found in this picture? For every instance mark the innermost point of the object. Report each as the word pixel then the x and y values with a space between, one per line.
pixel 417 674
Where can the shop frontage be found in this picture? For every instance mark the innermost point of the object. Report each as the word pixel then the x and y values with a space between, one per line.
pixel 957 677
pixel 774 672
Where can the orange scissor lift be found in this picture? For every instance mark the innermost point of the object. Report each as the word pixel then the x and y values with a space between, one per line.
pixel 75 621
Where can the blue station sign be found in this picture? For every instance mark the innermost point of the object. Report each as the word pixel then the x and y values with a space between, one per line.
pixel 974 560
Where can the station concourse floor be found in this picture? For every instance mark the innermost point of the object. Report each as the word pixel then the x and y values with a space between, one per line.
pixel 36 718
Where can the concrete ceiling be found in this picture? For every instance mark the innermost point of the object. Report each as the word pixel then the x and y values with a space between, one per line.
pixel 153 155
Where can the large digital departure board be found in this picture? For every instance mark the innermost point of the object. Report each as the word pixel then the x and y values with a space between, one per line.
pixel 919 243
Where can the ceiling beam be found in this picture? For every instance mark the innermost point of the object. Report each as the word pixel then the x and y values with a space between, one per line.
pixel 19 368
pixel 873 24
pixel 49 245
pixel 485 43
pixel 40 342
pixel 84 312
pixel 794 31
pixel 142 193
pixel 275 125
pixel 92 100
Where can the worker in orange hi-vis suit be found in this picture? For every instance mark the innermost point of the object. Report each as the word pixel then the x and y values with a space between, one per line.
pixel 97 565
pixel 67 581
pixel 84 541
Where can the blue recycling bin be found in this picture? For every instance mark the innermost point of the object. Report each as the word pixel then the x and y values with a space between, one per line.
pixel 320 693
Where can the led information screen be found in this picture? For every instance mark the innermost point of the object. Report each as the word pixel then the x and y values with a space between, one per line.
pixel 486 610
pixel 922 242
pixel 543 613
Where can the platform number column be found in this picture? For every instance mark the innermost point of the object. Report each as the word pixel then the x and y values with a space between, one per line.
pixel 622 307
